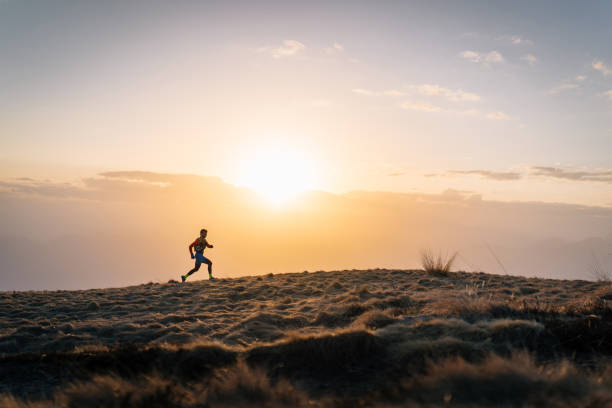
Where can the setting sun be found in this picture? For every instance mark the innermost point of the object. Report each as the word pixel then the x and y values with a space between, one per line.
pixel 278 174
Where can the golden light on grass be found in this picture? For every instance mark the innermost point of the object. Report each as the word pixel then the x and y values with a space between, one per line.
pixel 278 174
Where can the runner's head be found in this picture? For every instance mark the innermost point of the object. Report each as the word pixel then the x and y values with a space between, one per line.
pixel 203 233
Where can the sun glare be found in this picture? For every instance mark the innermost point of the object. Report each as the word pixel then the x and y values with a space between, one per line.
pixel 278 174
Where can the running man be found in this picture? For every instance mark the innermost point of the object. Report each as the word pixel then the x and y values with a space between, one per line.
pixel 200 244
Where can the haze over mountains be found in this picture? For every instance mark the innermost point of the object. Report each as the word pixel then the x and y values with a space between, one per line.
pixel 120 228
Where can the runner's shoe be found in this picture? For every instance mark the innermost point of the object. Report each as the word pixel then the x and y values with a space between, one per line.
pixel 183 278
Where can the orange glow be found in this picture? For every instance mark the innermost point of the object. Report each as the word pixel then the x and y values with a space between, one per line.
pixel 278 174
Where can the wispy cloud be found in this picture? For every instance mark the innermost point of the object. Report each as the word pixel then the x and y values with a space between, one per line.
pixel 599 65
pixel 362 91
pixel 426 107
pixel 393 92
pixel 433 90
pixel 43 188
pixel 334 48
pixel 493 175
pixel 287 49
pixel 515 40
pixel 604 176
pixel 471 56
pixel 530 58
pixel 450 94
pixel 139 184
pixel 431 97
pixel 564 86
pixel 492 57
pixel 609 94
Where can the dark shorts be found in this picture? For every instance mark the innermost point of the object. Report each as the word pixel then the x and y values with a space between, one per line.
pixel 200 258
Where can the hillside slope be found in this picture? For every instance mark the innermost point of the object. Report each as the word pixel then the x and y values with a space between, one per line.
pixel 312 339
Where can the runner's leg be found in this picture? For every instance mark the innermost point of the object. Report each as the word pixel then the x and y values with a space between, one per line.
pixel 195 269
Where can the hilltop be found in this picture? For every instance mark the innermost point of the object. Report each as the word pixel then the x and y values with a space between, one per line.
pixel 340 338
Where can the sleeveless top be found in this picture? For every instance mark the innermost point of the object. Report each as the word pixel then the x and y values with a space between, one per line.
pixel 199 245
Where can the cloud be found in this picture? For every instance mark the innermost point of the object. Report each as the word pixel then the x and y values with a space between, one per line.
pixel 451 194
pixel 604 176
pixel 361 91
pixel 130 185
pixel 287 49
pixel 393 92
pixel 493 175
pixel 435 91
pixel 580 78
pixel 451 95
pixel 492 57
pixel 530 58
pixel 425 107
pixel 334 48
pixel 497 116
pixel 471 56
pixel 601 67
pixel 421 107
pixel 515 40
pixel 564 86
pixel 27 186
pixel 609 94
pixel 457 95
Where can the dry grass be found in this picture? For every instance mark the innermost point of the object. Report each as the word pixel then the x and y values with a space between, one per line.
pixel 510 382
pixel 437 264
pixel 343 338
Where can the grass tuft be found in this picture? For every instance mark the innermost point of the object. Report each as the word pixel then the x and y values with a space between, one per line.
pixel 437 264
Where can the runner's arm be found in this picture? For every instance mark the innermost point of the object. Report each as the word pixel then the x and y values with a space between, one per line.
pixel 191 248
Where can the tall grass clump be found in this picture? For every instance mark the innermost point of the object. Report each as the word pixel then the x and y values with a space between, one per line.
pixel 437 264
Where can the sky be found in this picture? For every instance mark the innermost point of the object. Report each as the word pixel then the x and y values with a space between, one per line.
pixel 506 104
pixel 512 100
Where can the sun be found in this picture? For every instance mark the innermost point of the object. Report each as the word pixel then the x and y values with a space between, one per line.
pixel 278 174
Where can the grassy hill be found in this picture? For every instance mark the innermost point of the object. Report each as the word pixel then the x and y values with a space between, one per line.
pixel 341 338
